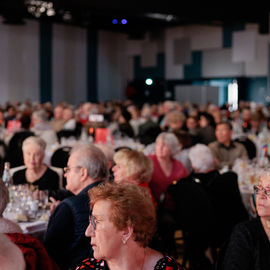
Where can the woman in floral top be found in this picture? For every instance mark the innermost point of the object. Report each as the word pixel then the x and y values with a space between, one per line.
pixel 121 225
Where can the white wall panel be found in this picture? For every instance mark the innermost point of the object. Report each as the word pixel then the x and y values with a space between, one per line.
pixel 259 67
pixel 172 71
pixel 204 37
pixel 4 83
pixel 182 51
pixel 244 46
pixel 19 62
pixel 217 63
pixel 149 54
pixel 196 94
pixel 134 47
pixel 252 27
pixel 112 66
pixel 69 64
pixel 31 61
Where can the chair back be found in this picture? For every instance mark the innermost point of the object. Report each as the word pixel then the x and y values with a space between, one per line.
pixel 192 204
pixel 60 157
pixel 249 145
pixel 228 207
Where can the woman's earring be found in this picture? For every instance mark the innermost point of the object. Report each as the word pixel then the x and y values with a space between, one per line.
pixel 124 241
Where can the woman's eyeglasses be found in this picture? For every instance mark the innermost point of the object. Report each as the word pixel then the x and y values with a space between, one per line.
pixel 92 222
pixel 259 188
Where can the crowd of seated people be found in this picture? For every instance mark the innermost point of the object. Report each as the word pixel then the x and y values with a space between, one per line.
pixel 160 159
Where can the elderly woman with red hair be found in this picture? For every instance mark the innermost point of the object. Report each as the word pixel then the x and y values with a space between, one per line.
pixel 121 226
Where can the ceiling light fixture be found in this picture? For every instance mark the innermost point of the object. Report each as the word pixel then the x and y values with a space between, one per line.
pixel 162 17
pixel 38 7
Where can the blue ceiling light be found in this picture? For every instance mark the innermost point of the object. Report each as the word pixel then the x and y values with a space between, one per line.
pixel 124 21
pixel 115 21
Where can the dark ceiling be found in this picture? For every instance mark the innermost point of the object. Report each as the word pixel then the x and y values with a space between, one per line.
pixel 141 17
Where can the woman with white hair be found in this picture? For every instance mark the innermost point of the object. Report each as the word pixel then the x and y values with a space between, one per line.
pixel 166 168
pixel 249 247
pixel 210 198
pixel 199 164
pixel 36 172
pixel 222 189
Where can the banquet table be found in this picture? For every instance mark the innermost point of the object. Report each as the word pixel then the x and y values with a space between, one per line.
pixel 28 211
pixel 36 228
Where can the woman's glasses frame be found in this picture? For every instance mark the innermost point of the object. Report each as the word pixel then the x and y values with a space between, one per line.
pixel 259 188
pixel 92 222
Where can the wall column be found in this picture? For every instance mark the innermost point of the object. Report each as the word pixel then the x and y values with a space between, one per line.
pixel 45 55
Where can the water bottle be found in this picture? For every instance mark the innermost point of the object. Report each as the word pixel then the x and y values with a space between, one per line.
pixel 6 177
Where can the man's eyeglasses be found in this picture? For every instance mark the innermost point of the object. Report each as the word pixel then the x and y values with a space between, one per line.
pixel 67 169
pixel 92 222
pixel 258 189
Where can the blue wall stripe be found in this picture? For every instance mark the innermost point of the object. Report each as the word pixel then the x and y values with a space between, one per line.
pixel 256 89
pixel 153 72
pixel 92 65
pixel 228 32
pixel 45 54
pixel 194 70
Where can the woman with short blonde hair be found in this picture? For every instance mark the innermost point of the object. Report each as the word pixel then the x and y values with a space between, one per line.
pixel 136 166
pixel 133 166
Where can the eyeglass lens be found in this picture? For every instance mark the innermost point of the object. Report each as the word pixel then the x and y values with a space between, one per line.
pixel 257 189
pixel 93 222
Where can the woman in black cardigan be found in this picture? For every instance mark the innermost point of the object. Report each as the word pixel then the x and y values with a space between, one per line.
pixel 249 245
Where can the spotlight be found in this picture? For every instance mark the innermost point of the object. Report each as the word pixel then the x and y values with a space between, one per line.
pixel 149 81
pixel 115 21
pixel 124 21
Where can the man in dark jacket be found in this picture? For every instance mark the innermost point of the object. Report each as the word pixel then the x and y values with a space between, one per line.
pixel 65 238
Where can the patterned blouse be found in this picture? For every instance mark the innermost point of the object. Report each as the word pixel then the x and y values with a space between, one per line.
pixel 165 263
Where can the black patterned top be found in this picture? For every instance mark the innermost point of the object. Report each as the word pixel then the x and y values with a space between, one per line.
pixel 165 263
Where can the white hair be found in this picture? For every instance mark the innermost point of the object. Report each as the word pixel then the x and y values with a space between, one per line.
pixel 201 158
pixel 41 115
pixel 34 140
pixel 91 158
pixel 171 140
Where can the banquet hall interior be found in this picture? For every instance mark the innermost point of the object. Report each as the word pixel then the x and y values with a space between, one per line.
pixel 119 74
